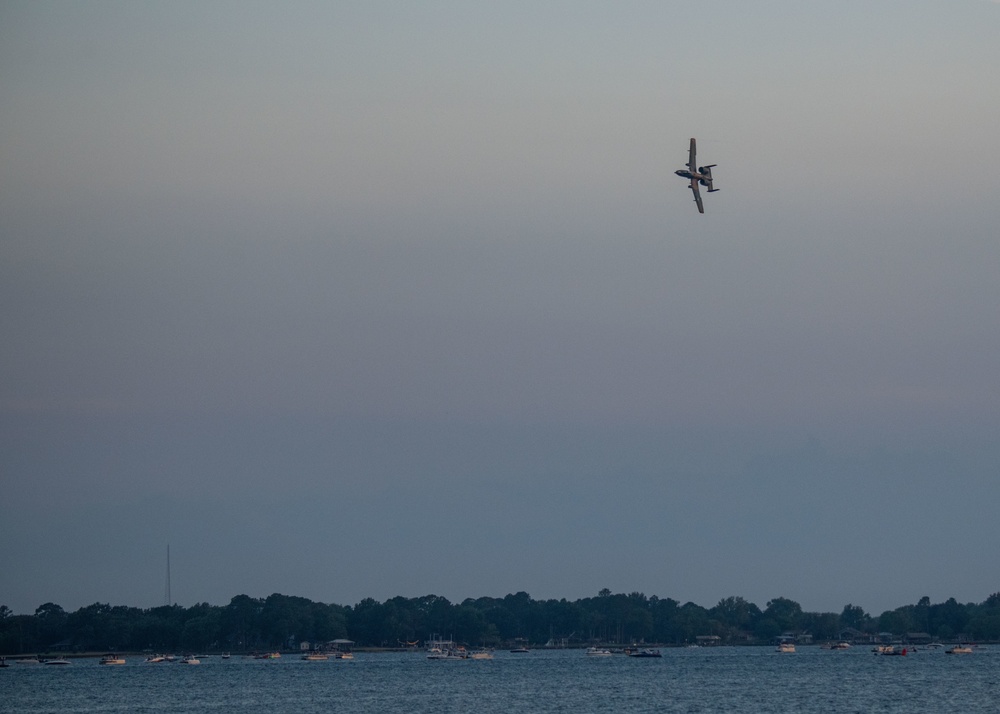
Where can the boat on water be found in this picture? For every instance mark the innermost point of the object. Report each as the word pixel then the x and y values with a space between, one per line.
pixel 644 652
pixel 268 655
pixel 315 657
pixel 448 654
pixel 841 646
pixel 598 652
pixel 190 659
pixel 111 658
pixel 451 652
pixel 959 649
pixel 481 654
pixel 785 647
pixel 344 655
pixel 893 652
pixel 225 655
pixel 156 659
pixel 57 660
pixel 445 649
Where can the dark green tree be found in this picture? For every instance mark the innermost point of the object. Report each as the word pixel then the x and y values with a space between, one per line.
pixel 786 614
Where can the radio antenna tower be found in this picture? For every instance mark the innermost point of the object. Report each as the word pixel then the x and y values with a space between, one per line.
pixel 168 601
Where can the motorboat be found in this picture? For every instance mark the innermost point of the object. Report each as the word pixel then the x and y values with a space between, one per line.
pixel 315 656
pixel 57 660
pixel 112 659
pixel 156 659
pixel 959 649
pixel 445 649
pixel 344 655
pixel 190 659
pixel 841 646
pixel 894 652
pixel 481 654
pixel 785 647
pixel 458 653
pixel 598 652
pixel 645 652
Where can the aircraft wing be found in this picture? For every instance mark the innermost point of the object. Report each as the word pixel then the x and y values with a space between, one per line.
pixel 697 194
pixel 692 164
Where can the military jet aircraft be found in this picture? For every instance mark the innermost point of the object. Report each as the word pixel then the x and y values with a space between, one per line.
pixel 697 174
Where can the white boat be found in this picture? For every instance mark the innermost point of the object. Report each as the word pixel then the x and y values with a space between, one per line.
pixel 959 649
pixel 444 649
pixel 112 659
pixel 344 655
pixel 481 654
pixel 598 652
pixel 841 646
pixel 315 657
pixel 644 652
pixel 785 647
pixel 448 654
pixel 190 659
pixel 156 659
pixel 57 660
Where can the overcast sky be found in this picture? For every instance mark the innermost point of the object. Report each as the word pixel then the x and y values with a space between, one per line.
pixel 366 299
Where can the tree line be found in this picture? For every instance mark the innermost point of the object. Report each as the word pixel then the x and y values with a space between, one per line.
pixel 283 622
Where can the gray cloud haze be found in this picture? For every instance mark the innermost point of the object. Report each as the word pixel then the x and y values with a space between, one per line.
pixel 374 299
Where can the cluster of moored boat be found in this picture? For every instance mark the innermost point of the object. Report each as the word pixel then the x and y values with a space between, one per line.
pixel 457 653
pixel 34 660
pixel 158 658
pixel 324 656
pixel 447 650
pixel 628 652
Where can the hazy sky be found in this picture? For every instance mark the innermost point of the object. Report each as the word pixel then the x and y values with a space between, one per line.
pixel 351 299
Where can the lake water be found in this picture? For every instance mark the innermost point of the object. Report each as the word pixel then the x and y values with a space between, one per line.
pixel 747 679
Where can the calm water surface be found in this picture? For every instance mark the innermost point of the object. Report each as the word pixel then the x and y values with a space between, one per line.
pixel 684 680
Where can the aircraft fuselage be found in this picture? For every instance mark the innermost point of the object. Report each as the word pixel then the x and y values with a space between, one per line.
pixel 694 175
